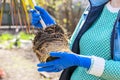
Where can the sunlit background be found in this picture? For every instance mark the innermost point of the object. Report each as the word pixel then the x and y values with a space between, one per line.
pixel 16 56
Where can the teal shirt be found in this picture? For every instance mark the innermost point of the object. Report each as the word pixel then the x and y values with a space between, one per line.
pixel 96 41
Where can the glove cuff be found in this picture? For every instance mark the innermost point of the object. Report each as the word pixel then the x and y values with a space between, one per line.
pixel 97 67
pixel 49 25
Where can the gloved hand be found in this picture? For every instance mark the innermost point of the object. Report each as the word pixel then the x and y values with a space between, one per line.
pixel 42 13
pixel 64 61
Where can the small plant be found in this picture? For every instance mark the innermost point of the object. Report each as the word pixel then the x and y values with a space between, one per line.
pixel 10 46
pixel 25 36
pixel 6 36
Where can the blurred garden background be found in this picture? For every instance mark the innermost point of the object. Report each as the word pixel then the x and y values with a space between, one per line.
pixel 16 56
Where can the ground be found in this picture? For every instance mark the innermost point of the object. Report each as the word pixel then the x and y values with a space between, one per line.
pixel 20 64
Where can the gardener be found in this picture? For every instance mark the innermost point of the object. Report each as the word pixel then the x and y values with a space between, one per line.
pixel 96 42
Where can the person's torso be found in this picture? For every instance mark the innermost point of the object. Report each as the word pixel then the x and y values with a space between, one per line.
pixel 96 41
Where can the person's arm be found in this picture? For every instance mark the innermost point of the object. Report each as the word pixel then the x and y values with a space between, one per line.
pixel 112 70
pixel 64 60
pixel 109 69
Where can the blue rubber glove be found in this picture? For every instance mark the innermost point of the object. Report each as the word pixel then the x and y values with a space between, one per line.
pixel 42 13
pixel 65 60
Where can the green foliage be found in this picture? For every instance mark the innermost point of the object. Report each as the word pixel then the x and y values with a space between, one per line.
pixel 10 46
pixel 6 36
pixel 25 36
pixel 19 43
pixel 10 41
